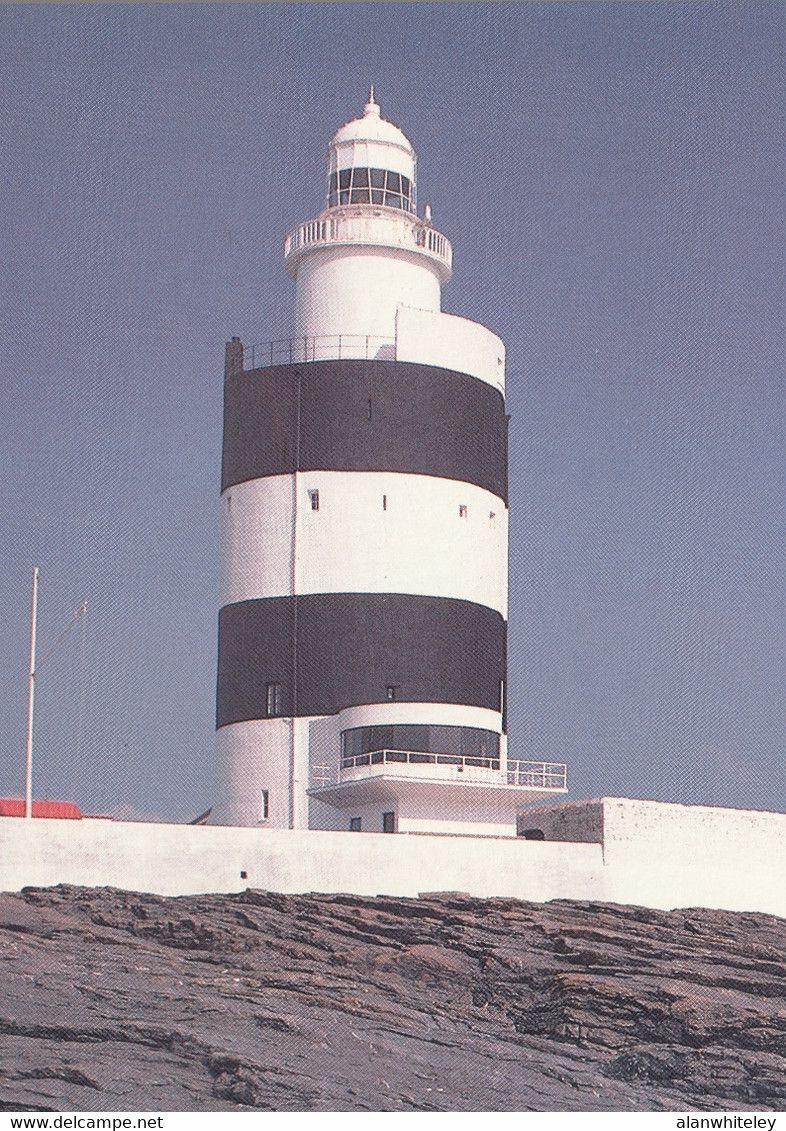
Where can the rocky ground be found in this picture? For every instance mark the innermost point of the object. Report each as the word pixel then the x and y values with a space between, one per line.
pixel 111 1000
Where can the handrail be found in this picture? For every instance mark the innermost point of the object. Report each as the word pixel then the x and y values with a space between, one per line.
pixel 324 347
pixel 375 225
pixel 417 757
pixel 517 771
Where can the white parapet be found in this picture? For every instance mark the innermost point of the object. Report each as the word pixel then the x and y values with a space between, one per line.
pixel 193 859
pixel 652 854
pixel 430 337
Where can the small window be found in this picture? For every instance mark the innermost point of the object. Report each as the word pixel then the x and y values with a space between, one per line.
pixel 388 822
pixel 462 510
pixel 265 807
pixel 313 496
pixel 244 875
pixel 273 699
pixel 391 691
pixel 354 824
pixel 384 502
pixel 492 515
pixel 343 178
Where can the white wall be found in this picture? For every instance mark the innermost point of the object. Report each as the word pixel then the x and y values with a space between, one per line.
pixel 256 539
pixel 187 859
pixel 417 543
pixel 656 855
pixel 432 338
pixel 258 754
pixel 683 856
pixel 354 289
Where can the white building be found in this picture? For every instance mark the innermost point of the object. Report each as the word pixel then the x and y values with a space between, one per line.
pixel 362 632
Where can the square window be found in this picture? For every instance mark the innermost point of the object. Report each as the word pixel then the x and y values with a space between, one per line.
pixel 354 824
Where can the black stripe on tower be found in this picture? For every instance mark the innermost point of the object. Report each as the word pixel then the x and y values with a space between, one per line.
pixel 364 416
pixel 349 648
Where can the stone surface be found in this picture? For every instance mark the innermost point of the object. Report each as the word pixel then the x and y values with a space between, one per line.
pixel 111 1000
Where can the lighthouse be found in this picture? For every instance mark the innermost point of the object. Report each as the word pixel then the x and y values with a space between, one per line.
pixel 364 530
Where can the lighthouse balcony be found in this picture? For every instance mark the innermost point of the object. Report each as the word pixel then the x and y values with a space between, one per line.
pixel 324 347
pixel 424 337
pixel 408 791
pixel 421 767
pixel 369 226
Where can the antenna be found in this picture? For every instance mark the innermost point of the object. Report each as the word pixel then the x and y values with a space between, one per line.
pixel 33 672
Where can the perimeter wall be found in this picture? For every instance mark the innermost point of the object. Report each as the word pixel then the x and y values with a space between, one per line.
pixel 650 854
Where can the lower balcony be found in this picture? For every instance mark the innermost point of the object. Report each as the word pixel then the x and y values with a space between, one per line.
pixel 439 792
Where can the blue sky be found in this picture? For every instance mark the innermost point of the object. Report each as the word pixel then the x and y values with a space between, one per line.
pixel 612 179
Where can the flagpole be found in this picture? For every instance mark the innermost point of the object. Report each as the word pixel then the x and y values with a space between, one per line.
pixel 30 700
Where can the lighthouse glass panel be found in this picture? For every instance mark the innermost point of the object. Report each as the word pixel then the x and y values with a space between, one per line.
pixel 407 742
pixel 371 186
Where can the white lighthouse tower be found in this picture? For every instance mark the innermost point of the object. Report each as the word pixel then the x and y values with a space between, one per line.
pixel 362 632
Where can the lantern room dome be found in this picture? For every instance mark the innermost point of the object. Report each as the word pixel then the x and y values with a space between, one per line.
pixel 372 127
pixel 370 161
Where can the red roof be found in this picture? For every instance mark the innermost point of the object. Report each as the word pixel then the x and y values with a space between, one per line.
pixel 60 810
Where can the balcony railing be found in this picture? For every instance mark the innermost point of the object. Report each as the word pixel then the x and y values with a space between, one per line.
pixel 369 225
pixel 446 767
pixel 327 347
pixel 538 775
pixel 377 757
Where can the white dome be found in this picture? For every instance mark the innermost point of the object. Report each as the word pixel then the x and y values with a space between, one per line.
pixel 372 127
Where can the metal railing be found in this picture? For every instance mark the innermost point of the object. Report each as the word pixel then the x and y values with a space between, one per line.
pixel 518 772
pixel 417 758
pixel 538 775
pixel 326 347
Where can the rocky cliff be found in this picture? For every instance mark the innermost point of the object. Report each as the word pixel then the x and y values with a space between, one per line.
pixel 111 1000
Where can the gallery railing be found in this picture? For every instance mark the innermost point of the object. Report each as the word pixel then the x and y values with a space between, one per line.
pixel 326 347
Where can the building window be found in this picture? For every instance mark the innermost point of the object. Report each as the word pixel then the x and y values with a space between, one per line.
pixel 391 691
pixel 265 806
pixel 273 700
pixel 244 875
pixel 364 185
pixel 354 824
pixel 388 822
pixel 462 510
pixel 477 746
pixel 384 502
pixel 313 496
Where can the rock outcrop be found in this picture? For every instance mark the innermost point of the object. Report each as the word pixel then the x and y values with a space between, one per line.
pixel 111 1000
